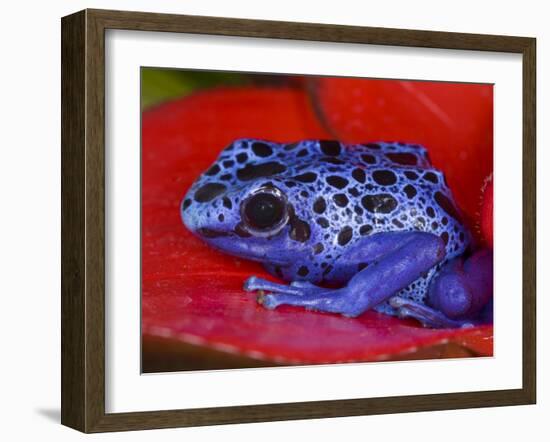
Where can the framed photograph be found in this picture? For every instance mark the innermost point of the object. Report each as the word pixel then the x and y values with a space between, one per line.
pixel 269 220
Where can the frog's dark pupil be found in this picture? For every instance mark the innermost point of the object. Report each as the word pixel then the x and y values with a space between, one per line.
pixel 263 211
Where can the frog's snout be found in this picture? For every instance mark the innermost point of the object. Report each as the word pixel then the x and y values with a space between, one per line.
pixel 195 219
pixel 198 219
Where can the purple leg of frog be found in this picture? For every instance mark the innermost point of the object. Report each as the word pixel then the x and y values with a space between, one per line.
pixel 456 295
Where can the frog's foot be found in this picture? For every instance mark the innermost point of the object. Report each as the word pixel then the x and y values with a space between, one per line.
pixel 311 298
pixel 428 316
pixel 296 293
pixel 297 288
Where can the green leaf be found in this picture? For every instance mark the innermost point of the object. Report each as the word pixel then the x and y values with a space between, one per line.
pixel 159 84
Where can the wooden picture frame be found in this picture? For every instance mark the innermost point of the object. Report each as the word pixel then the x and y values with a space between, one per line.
pixel 83 220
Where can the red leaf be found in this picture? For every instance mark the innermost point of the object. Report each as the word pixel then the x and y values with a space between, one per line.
pixel 453 120
pixel 192 294
pixel 207 310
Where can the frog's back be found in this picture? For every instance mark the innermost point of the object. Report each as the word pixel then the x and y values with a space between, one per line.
pixel 248 159
pixel 295 155
pixel 358 190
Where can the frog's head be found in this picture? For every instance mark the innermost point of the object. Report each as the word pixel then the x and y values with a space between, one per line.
pixel 252 219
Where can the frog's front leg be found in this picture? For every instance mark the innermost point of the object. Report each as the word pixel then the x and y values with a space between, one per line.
pixel 402 262
pixel 457 295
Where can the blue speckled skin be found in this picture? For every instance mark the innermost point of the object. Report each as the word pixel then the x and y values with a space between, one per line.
pixel 375 219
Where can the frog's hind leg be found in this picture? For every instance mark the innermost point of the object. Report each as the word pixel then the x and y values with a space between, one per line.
pixel 403 262
pixel 458 295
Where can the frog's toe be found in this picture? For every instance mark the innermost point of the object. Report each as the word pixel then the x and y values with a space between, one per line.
pixel 273 300
pixel 251 283
pixel 268 301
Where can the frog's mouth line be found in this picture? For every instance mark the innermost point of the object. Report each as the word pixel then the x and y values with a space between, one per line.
pixel 243 252
pixel 211 233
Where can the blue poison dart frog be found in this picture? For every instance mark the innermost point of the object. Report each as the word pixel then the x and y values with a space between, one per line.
pixel 350 227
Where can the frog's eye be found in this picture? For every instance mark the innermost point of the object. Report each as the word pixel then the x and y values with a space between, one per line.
pixel 264 212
